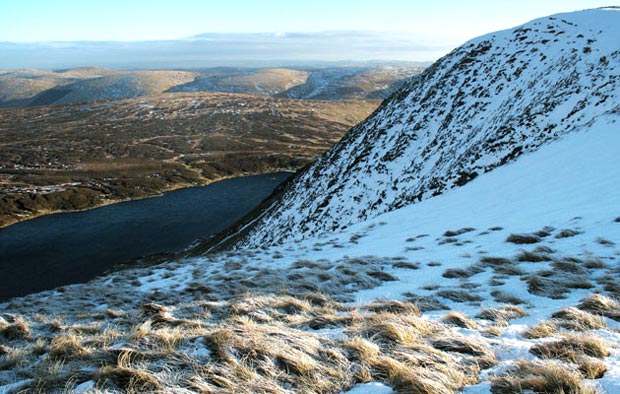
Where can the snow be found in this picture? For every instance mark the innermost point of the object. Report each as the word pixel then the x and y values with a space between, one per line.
pixel 370 388
pixel 84 387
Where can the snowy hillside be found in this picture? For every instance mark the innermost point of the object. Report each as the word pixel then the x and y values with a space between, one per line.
pixel 503 285
pixel 488 102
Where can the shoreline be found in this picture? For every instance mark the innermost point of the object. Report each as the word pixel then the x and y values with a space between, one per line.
pixel 107 202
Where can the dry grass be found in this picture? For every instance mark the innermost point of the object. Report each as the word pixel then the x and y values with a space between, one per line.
pixel 459 319
pixel 406 265
pixel 569 266
pixel 253 343
pixel 604 241
pixel 502 315
pixel 454 233
pixel 67 346
pixel 541 377
pixel 567 233
pixel 459 295
pixel 601 305
pixel 455 273
pixel 13 327
pixel 393 306
pixel 492 261
pixel 428 303
pixel 533 257
pixel 545 231
pixel 522 239
pixel 555 284
pixel 506 298
pixel 572 347
pixel 543 329
pixel 578 320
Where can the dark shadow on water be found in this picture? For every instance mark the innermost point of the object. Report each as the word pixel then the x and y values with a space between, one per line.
pixel 60 249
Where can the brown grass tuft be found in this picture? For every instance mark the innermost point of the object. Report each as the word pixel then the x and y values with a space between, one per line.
pixel 393 306
pixel 601 305
pixel 459 319
pixel 506 298
pixel 571 348
pixel 533 257
pixel 13 327
pixel 503 314
pixel 543 329
pixel 578 320
pixel 130 380
pixel 454 233
pixel 541 377
pixel 459 295
pixel 521 239
pixel 567 233
pixel 591 368
pixel 68 346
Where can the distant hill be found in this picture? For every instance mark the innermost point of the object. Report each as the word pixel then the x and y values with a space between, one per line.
pixel 266 81
pixel 114 86
pixel 39 87
pixel 19 88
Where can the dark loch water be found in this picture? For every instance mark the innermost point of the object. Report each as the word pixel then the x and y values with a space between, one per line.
pixel 65 248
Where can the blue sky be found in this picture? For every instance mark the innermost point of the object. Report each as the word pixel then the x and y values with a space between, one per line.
pixel 446 21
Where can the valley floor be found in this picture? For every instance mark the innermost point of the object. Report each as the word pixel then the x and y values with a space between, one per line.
pixel 508 284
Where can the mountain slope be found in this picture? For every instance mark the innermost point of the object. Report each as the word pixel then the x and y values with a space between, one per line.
pixel 270 312
pixel 483 105
pixel 266 81
pixel 115 86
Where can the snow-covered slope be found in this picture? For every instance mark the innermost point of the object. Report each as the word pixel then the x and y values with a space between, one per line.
pixel 448 254
pixel 483 105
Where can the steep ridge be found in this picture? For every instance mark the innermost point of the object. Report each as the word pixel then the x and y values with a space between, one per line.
pixel 483 105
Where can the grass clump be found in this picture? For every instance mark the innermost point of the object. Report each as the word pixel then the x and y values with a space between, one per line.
pixel 503 314
pixel 459 295
pixel 406 265
pixel 604 241
pixel 567 233
pixel 13 327
pixel 543 329
pixel 523 239
pixel 506 298
pixel 578 320
pixel 67 346
pixel 601 305
pixel 533 257
pixel 541 377
pixel 569 266
pixel 454 233
pixel 545 231
pixel 393 306
pixel 571 348
pixel 459 319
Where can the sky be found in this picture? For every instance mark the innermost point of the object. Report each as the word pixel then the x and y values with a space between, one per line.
pixel 447 21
